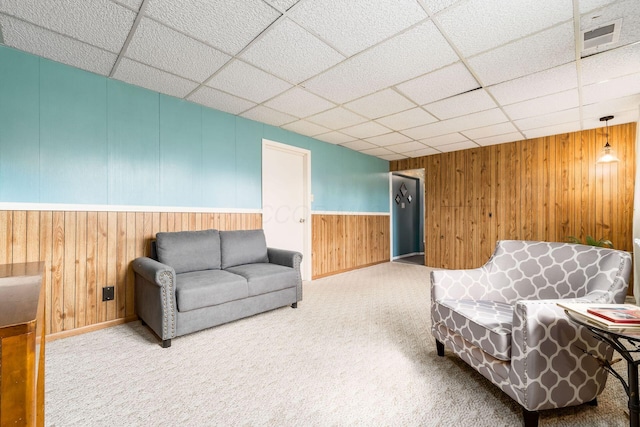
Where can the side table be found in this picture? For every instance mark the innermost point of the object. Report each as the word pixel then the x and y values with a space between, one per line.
pixel 627 344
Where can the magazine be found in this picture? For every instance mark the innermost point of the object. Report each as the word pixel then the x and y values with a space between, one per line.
pixel 627 313
pixel 581 312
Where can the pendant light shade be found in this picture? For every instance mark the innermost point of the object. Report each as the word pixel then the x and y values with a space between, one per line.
pixel 607 155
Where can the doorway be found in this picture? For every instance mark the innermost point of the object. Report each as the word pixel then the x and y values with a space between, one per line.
pixel 407 216
pixel 286 199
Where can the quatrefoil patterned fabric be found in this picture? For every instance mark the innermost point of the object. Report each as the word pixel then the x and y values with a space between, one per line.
pixel 503 318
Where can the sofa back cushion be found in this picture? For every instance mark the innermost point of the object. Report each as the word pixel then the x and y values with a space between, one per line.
pixel 189 250
pixel 243 247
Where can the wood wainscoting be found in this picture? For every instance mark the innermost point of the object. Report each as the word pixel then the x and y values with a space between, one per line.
pixel 538 189
pixel 84 251
pixel 343 242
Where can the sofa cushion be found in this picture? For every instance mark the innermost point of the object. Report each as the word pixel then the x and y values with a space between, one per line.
pixel 243 247
pixel 205 288
pixel 485 324
pixel 189 250
pixel 264 278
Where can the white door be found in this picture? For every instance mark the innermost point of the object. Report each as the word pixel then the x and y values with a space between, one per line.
pixel 285 210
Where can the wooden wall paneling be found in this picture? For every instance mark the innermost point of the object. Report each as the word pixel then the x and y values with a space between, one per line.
pixel 45 244
pixel 68 294
pixel 111 264
pixel 91 314
pixel 6 231
pixel 81 270
pixel 103 273
pixel 626 187
pixel 133 229
pixel 57 273
pixel 33 236
pixel 19 237
pixel 121 264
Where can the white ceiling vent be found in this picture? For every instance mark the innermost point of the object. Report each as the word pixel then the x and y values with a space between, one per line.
pixel 599 39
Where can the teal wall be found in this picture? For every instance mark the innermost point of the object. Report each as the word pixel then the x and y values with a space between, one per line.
pixel 70 136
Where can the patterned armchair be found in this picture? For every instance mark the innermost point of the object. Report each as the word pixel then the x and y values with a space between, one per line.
pixel 502 319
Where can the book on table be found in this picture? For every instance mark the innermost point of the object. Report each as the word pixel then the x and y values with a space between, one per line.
pixel 609 316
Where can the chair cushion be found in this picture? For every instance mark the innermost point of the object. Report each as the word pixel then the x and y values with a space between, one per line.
pixel 243 247
pixel 485 324
pixel 189 250
pixel 205 288
pixel 264 278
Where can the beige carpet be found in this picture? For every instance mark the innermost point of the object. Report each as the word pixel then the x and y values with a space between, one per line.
pixel 357 352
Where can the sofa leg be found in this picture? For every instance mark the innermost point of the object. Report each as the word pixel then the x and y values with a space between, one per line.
pixel 440 348
pixel 166 343
pixel 294 305
pixel 529 418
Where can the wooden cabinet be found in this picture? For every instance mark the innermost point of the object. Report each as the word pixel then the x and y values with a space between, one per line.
pixel 21 345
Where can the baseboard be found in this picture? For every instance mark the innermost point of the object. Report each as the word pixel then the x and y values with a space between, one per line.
pixel 90 328
pixel 320 276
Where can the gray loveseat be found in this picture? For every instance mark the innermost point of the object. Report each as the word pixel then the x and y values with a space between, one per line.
pixel 504 321
pixel 199 279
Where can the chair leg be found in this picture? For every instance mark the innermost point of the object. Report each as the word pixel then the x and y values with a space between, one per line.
pixel 294 305
pixel 166 343
pixel 529 418
pixel 440 348
pixel 594 402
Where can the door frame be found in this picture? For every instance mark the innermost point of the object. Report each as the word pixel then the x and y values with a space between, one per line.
pixel 422 209
pixel 307 198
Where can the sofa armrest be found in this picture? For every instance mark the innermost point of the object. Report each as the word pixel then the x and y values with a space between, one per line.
pixel 291 259
pixel 554 362
pixel 155 296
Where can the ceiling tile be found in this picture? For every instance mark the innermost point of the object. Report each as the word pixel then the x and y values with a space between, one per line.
pixel 392 157
pixel 451 138
pixel 552 130
pixel 543 105
pixel 37 40
pixel 282 5
pixel 628 116
pixel 365 130
pixel 148 77
pixel 377 152
pixel 487 131
pixel 539 52
pixel 291 53
pixel 457 146
pixel 389 139
pixel 267 115
pixel 611 64
pixel 246 81
pixel 407 146
pixel 499 139
pixel 220 101
pixel 354 25
pixel 228 26
pixel 555 118
pixel 334 137
pixel 412 53
pixel 611 106
pixel 407 119
pixel 546 82
pixel 589 5
pixel 98 22
pixel 483 118
pixel 131 4
pixel 443 83
pixel 380 104
pixel 298 102
pixel 628 10
pixel 166 49
pixel 478 25
pixel 359 145
pixel 460 105
pixel 337 118
pixel 423 152
pixel 435 6
pixel 306 128
pixel 616 88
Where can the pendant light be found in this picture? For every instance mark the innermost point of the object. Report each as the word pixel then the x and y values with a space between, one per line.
pixel 607 155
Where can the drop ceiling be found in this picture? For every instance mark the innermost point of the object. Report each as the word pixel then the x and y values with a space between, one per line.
pixel 389 78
